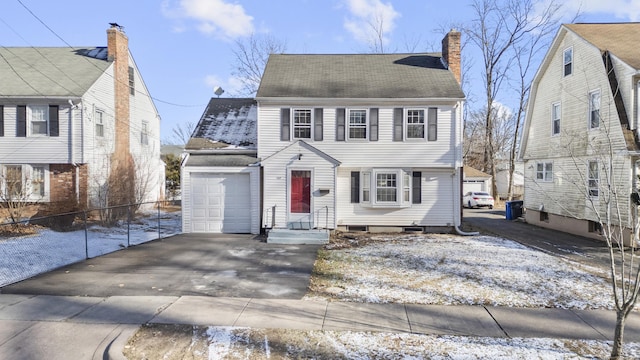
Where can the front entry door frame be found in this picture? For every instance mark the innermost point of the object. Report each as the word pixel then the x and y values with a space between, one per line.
pixel 300 198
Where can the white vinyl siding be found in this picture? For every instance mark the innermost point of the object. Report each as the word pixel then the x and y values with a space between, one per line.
pixel 381 153
pixel 252 174
pixel 436 207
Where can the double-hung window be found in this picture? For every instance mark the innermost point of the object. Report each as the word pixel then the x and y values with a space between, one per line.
pixel 594 109
pixel 567 62
pixel 415 124
pixel 544 171
pixel 144 133
pixel 38 181
pixel 302 124
pixel 39 119
pixel 386 188
pixel 13 188
pixel 555 119
pixel 24 182
pixel 593 179
pixel 357 124
pixel 99 123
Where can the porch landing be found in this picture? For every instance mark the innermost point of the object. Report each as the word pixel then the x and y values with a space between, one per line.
pixel 301 237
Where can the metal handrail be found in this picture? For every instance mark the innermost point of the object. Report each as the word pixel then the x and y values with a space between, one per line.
pixel 270 211
pixel 326 219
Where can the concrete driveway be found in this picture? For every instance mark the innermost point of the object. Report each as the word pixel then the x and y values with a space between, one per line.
pixel 218 265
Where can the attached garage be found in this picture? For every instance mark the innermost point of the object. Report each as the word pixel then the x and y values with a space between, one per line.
pixel 220 203
pixel 220 199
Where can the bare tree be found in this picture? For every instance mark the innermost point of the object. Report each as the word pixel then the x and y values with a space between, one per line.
pixel 498 28
pixel 251 56
pixel 526 55
pixel 180 134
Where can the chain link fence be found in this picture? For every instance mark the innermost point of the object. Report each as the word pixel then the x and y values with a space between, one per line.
pixel 40 244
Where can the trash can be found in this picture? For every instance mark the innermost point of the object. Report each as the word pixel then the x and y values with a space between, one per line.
pixel 516 209
pixel 508 210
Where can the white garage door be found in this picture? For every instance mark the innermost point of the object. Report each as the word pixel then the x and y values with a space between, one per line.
pixel 220 203
pixel 472 185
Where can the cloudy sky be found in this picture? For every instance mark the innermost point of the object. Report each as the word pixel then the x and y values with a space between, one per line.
pixel 184 48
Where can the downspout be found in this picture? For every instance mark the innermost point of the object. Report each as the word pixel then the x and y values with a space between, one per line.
pixel 455 179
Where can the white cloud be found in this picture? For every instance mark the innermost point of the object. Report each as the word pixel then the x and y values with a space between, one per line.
pixel 366 16
pixel 624 10
pixel 214 17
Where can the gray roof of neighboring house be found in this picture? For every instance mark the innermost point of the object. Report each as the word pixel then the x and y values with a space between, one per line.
pixel 227 123
pixel 469 172
pixel 50 71
pixel 220 160
pixel 358 76
pixel 621 39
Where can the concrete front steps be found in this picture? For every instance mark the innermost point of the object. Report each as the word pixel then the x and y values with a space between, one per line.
pixel 302 237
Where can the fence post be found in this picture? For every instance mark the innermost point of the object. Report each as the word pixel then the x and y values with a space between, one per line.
pixel 159 236
pixel 86 236
pixel 128 225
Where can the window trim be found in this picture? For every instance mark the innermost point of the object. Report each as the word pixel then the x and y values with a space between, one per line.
pixel 541 174
pixel 295 126
pixel 144 133
pixel 403 189
pixel 555 119
pixel 592 109
pixel 364 126
pixel 407 125
pixel 30 121
pixel 99 123
pixel 566 63
pixel 593 192
pixel 26 175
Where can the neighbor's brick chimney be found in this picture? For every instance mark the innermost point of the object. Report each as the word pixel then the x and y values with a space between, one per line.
pixel 118 52
pixel 451 53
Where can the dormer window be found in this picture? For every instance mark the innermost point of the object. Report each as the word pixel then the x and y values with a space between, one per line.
pixel 567 61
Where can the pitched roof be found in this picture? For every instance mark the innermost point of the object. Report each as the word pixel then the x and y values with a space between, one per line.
pixel 621 39
pixel 227 123
pixel 358 76
pixel 470 172
pixel 50 71
pixel 221 160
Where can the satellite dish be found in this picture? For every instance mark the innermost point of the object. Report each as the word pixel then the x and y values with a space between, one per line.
pixel 218 91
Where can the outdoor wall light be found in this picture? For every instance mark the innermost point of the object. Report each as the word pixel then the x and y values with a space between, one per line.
pixel 299 156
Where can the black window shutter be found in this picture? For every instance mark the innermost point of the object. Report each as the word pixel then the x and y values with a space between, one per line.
pixel 54 125
pixel 317 123
pixel 373 124
pixel 340 124
pixel 397 124
pixel 285 124
pixel 433 124
pixel 416 187
pixel 1 120
pixel 355 187
pixel 21 121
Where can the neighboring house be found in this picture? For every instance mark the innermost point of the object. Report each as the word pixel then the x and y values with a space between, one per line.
pixel 502 183
pixel 475 180
pixel 68 116
pixel 221 173
pixel 581 128
pixel 362 142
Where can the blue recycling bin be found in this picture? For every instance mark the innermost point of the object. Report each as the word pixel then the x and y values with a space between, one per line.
pixel 508 212
pixel 513 209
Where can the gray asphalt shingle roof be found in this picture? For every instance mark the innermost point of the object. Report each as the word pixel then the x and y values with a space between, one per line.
pixel 227 122
pixel 50 71
pixel 358 76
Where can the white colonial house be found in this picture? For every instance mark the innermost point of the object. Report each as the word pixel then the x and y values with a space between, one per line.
pixel 362 142
pixel 581 130
pixel 65 113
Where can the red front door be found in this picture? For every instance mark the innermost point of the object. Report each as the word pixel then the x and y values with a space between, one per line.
pixel 300 192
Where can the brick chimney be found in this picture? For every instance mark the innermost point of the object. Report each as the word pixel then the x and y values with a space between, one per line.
pixel 451 53
pixel 118 52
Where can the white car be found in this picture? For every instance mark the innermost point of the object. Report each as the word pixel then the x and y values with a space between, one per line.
pixel 477 199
